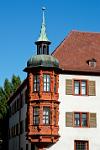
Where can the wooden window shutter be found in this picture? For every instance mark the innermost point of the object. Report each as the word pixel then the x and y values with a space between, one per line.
pixel 92 88
pixel 69 87
pixel 93 123
pixel 69 119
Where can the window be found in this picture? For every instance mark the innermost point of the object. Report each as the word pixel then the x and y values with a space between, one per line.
pixel 55 116
pixel 80 119
pixel 55 84
pixel 80 87
pixel 21 127
pixel 81 145
pixel 36 115
pixel 46 115
pixel 36 83
pixel 46 82
pixel 44 49
pixel 26 96
pixel 17 129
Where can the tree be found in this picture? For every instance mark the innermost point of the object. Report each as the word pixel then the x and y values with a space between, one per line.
pixel 15 82
pixel 8 88
pixel 6 91
pixel 3 103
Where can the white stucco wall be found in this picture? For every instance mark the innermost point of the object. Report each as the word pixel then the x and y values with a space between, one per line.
pixel 70 103
pixel 14 119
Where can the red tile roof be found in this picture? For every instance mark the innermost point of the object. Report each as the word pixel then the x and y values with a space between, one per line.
pixel 76 49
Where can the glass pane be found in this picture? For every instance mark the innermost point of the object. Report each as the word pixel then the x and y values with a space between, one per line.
pixel 48 87
pixel 44 78
pixel 83 91
pixel 34 78
pixel 44 86
pixel 48 78
pixel 36 83
pixel 76 90
pixel 36 111
pixel 38 87
pixel 77 119
pixel 77 87
pixel 81 145
pixel 38 78
pixel 34 87
pixel 84 120
pixel 83 87
pixel 46 115
pixel 46 82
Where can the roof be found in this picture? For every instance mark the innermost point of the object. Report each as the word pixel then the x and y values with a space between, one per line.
pixel 19 89
pixel 77 49
pixel 42 61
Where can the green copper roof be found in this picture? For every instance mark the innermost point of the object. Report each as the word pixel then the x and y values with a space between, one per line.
pixel 43 61
pixel 43 36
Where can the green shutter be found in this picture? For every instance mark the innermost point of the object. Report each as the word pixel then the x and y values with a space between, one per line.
pixel 93 123
pixel 69 87
pixel 92 88
pixel 69 119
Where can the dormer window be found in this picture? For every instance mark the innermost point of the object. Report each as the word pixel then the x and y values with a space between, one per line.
pixel 92 63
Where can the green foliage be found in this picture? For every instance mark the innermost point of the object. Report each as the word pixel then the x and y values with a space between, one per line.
pixel 5 93
pixel 15 82
pixel 3 103
pixel 7 88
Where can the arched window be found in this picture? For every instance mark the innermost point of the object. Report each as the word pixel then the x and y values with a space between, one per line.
pixel 44 49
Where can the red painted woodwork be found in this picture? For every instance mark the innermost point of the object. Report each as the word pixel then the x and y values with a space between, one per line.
pixel 43 135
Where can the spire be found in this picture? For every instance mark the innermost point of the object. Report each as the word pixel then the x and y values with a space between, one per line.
pixel 43 36
pixel 43 42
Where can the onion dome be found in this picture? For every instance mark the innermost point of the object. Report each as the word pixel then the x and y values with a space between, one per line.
pixel 42 61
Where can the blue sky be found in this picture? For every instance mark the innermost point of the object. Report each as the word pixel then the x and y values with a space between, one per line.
pixel 20 22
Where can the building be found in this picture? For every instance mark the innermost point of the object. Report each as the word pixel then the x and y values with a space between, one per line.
pixel 57 105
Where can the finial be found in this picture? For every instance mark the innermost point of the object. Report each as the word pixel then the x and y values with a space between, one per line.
pixel 43 9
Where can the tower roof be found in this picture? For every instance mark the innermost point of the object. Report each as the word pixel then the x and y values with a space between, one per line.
pixel 43 35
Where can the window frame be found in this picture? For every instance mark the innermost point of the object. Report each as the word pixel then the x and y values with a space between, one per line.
pixel 55 116
pixel 46 117
pixel 80 93
pixel 55 83
pixel 36 83
pixel 81 120
pixel 36 119
pixel 81 142
pixel 46 83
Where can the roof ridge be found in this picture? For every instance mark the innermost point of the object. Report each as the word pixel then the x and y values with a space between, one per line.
pixel 66 37
pixel 85 32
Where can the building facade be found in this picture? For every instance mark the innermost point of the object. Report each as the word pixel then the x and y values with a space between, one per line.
pixel 57 105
